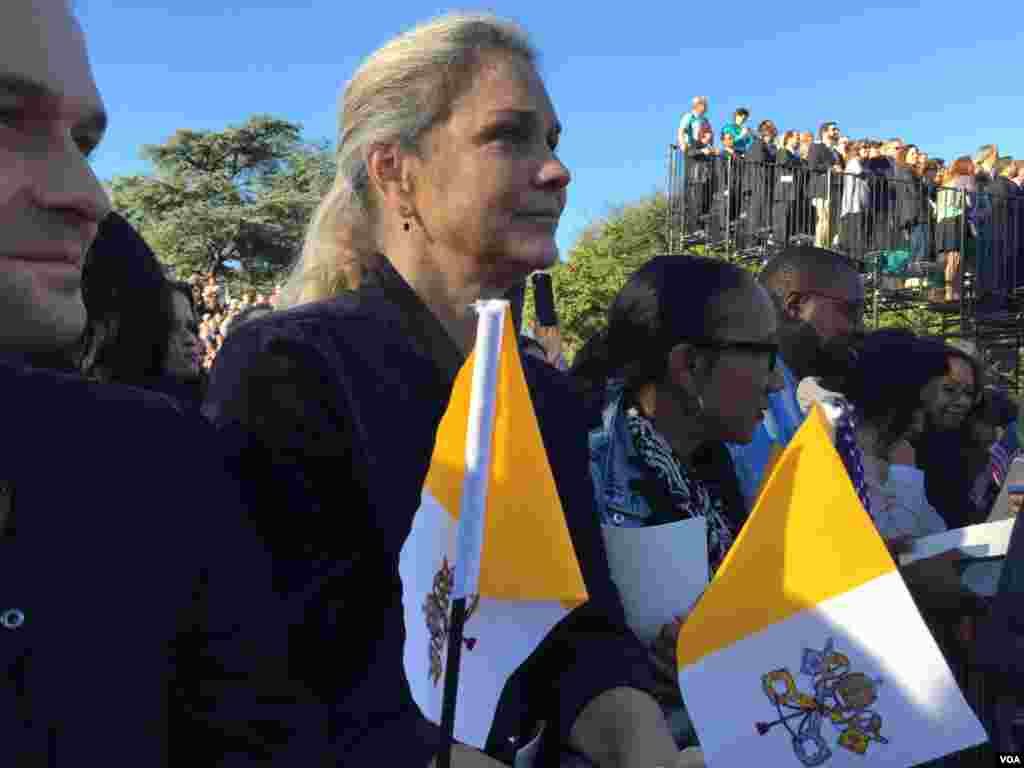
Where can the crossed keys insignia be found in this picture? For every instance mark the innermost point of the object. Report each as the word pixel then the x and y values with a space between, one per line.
pixel 841 697
pixel 436 609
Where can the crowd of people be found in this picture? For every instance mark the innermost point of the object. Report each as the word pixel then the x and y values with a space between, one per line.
pixel 209 575
pixel 217 312
pixel 861 196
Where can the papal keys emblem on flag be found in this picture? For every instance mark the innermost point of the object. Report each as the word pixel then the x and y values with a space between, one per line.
pixel 841 697
pixel 436 610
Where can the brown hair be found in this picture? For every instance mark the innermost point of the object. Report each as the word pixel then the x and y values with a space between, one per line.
pixel 962 166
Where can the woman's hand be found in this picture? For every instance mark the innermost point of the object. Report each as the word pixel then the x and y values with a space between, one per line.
pixel 899 545
pixel 550 339
pixel 1016 501
pixel 666 667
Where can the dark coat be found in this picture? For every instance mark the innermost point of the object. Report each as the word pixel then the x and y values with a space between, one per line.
pixel 141 625
pixel 909 195
pixel 789 177
pixel 759 178
pixel 820 160
pixel 344 398
pixel 698 165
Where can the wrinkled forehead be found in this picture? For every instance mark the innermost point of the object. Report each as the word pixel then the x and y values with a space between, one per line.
pixel 41 43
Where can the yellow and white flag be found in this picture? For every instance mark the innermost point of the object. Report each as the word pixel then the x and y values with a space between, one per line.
pixel 490 527
pixel 806 648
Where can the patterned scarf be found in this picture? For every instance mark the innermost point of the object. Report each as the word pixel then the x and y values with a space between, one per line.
pixel 689 495
pixel 851 454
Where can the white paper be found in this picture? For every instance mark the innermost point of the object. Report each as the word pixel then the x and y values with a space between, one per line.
pixel 660 571
pixel 984 540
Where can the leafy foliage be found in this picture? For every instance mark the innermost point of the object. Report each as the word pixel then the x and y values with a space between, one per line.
pixel 244 193
pixel 600 262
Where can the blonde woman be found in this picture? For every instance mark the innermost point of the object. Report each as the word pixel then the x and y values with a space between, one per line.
pixel 449 190
pixel 953 210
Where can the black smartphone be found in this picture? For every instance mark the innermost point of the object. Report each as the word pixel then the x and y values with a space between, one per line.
pixel 544 300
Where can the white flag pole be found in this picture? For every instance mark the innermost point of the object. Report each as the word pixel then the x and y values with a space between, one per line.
pixel 470 535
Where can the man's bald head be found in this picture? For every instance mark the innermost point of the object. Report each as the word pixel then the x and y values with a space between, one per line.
pixel 805 268
pixel 820 299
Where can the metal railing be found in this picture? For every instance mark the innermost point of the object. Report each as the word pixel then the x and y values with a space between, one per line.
pixel 899 228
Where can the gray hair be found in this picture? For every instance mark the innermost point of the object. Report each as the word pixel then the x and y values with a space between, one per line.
pixel 401 91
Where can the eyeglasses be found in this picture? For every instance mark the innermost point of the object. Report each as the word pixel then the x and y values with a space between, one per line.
pixel 854 310
pixel 758 347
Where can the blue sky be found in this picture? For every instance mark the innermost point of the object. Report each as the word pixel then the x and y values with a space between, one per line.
pixel 943 75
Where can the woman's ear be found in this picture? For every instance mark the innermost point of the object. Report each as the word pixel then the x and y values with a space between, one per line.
pixel 389 170
pixel 791 305
pixel 685 366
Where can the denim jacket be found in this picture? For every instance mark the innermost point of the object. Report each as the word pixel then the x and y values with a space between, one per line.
pixel 615 466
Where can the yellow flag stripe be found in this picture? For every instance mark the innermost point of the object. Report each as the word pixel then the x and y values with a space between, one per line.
pixel 527 551
pixel 807 539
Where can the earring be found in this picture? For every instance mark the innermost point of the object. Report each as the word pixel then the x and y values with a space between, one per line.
pixel 700 404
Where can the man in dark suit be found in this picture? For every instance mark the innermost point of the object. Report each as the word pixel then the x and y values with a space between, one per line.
pixel 139 623
pixel 821 159
pixel 760 177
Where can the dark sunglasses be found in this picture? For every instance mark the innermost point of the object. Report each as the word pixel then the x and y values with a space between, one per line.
pixel 758 347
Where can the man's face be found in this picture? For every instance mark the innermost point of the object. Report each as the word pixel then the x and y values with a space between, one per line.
pixel 727 140
pixel 51 203
pixel 699 108
pixel 833 308
pixel 832 134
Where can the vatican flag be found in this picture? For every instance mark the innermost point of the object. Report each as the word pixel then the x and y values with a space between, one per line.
pixel 490 528
pixel 806 648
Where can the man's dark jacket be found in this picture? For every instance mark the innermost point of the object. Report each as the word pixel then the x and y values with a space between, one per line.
pixel 139 621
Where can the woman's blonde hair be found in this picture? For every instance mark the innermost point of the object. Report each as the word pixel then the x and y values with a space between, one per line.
pixel 985 153
pixel 401 91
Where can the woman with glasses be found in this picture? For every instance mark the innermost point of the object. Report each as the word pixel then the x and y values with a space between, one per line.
pixel 688 359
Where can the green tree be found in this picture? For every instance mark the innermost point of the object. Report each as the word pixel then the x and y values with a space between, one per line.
pixel 600 262
pixel 241 194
